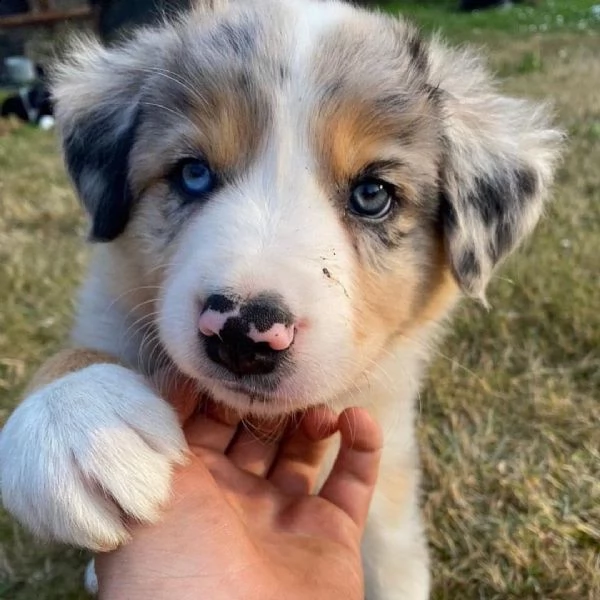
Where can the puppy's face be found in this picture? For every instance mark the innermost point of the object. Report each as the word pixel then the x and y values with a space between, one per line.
pixel 306 184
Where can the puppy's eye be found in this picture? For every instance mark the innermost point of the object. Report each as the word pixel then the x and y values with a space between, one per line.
pixel 195 178
pixel 371 199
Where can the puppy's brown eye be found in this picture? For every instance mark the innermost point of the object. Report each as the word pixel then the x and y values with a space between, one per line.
pixel 371 199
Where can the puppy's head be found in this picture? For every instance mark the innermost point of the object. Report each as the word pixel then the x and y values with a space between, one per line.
pixel 305 184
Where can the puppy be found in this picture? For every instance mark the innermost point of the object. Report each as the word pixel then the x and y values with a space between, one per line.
pixel 287 198
pixel 32 104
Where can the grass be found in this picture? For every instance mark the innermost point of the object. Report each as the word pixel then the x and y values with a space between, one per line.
pixel 549 17
pixel 509 418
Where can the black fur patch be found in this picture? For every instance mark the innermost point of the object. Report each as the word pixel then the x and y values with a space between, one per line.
pixel 526 182
pixel 418 52
pixel 333 90
pixel 503 241
pixel 391 102
pixel 436 96
pixel 499 203
pixel 244 79
pixel 448 216
pixel 494 198
pixel 467 267
pixel 284 72
pixel 390 237
pixel 98 162
pixel 491 198
pixel 237 37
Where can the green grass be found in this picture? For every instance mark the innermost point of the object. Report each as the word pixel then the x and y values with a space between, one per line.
pixel 509 421
pixel 550 16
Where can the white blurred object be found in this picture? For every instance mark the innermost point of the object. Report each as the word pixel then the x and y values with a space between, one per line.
pixel 46 122
pixel 20 70
pixel 90 580
pixel 596 11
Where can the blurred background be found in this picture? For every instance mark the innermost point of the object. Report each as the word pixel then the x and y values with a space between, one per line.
pixel 509 421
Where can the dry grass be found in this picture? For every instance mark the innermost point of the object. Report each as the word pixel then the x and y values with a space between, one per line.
pixel 509 422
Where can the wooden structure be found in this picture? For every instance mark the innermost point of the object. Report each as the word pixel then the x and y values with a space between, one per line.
pixel 45 13
pixel 108 17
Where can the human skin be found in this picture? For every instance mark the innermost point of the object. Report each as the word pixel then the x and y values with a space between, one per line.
pixel 244 522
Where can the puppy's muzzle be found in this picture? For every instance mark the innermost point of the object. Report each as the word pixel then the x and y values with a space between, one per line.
pixel 251 337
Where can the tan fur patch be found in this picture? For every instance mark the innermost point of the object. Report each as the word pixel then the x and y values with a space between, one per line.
pixel 376 115
pixel 443 294
pixel 65 362
pixel 224 126
pixel 387 300
pixel 352 133
pixel 375 106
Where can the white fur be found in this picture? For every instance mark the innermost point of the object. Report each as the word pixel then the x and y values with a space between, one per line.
pixel 80 450
pixel 274 230
pixel 264 236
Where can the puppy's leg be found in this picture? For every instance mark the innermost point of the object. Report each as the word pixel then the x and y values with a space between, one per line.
pixel 395 560
pixel 91 442
pixel 394 546
pixel 64 362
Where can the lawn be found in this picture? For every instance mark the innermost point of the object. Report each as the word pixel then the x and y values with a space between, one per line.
pixel 510 418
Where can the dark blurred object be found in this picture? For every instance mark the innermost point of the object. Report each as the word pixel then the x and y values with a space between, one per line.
pixel 32 103
pixel 15 44
pixel 23 20
pixel 13 7
pixel 479 4
pixel 115 17
pixel 470 5
pixel 40 12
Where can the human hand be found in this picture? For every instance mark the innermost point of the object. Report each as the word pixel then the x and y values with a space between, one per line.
pixel 243 522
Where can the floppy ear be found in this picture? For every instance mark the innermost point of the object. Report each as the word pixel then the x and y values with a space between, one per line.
pixel 97 94
pixel 498 165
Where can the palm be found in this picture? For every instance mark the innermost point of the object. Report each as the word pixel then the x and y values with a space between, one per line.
pixel 243 518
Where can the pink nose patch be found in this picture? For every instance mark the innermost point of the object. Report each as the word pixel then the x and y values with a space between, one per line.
pixel 279 336
pixel 211 321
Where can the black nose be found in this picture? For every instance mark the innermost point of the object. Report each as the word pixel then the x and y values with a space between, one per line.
pixel 249 338
pixel 235 351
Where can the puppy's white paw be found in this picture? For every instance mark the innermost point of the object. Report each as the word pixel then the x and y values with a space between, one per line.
pixel 82 452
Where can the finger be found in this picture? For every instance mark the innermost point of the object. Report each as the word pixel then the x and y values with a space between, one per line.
pixel 181 392
pixel 352 481
pixel 300 458
pixel 319 423
pixel 256 446
pixel 212 429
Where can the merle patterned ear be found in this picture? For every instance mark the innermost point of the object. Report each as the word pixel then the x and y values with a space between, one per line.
pixel 485 216
pixel 97 95
pixel 96 152
pixel 499 157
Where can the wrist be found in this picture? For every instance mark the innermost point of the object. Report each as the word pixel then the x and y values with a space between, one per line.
pixel 124 577
pixel 120 578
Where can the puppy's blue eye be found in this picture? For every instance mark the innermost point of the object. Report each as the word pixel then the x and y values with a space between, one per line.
pixel 371 199
pixel 196 178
